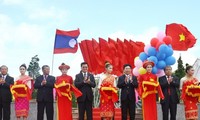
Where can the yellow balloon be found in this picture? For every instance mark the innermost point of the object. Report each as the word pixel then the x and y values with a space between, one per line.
pixel 136 58
pixel 142 71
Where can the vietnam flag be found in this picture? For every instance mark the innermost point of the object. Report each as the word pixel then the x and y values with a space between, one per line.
pixel 182 39
pixel 66 41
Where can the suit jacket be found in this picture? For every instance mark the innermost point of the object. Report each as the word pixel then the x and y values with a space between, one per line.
pixel 127 89
pixel 173 86
pixel 85 88
pixel 5 94
pixel 45 92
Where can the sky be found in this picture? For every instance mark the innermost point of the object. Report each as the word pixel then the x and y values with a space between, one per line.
pixel 27 27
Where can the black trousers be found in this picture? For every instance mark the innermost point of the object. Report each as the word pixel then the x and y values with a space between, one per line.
pixel 5 108
pixel 169 106
pixel 130 106
pixel 41 105
pixel 83 107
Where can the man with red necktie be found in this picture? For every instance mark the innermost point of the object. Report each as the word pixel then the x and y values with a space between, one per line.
pixel 45 84
pixel 5 94
pixel 170 86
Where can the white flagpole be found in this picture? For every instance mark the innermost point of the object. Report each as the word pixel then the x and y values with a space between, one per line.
pixel 52 64
pixel 53 56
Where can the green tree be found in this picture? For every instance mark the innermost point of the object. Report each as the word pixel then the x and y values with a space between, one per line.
pixel 33 71
pixel 33 68
pixel 74 101
pixel 180 72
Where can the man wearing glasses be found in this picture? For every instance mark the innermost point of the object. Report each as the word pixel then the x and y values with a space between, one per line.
pixel 170 86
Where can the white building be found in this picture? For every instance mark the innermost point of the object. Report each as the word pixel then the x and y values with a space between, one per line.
pixel 197 68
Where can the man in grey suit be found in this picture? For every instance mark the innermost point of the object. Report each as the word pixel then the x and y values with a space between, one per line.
pixel 5 94
pixel 170 86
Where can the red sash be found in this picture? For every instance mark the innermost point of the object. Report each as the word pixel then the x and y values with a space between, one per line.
pixel 20 90
pixel 65 89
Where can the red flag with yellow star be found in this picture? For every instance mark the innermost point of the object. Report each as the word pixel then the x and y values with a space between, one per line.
pixel 182 39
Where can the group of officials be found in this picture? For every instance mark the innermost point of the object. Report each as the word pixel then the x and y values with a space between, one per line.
pixel 45 93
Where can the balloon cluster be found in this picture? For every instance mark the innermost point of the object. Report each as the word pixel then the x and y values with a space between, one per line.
pixel 159 51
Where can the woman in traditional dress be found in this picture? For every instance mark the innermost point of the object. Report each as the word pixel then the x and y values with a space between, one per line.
pixel 148 87
pixel 190 99
pixel 108 93
pixel 22 102
pixel 64 87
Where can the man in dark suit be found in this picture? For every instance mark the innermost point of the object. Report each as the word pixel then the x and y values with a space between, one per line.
pixel 127 83
pixel 5 94
pixel 170 87
pixel 84 81
pixel 45 85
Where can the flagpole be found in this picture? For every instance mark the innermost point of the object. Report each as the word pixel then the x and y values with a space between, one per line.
pixel 53 56
pixel 52 64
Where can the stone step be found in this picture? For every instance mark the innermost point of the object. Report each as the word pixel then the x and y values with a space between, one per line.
pixel 96 114
pixel 75 113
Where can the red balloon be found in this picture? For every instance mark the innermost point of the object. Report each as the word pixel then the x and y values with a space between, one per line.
pixel 167 40
pixel 158 44
pixel 154 42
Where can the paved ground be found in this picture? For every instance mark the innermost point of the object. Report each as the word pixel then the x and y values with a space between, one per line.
pixel 33 112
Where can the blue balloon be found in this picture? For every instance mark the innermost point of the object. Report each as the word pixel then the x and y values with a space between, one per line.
pixel 143 56
pixel 154 70
pixel 161 64
pixel 170 46
pixel 170 60
pixel 160 56
pixel 153 59
pixel 151 51
pixel 163 48
pixel 169 52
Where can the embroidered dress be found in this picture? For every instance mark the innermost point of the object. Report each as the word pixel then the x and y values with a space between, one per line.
pixel 21 91
pixel 148 87
pixel 190 96
pixel 64 87
pixel 108 94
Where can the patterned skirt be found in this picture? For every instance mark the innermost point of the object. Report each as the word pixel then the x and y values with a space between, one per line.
pixel 22 107
pixel 191 109
pixel 107 108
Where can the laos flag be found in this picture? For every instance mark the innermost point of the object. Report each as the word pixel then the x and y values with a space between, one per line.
pixel 66 41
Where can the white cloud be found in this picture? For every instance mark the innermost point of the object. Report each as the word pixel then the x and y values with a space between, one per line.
pixel 144 37
pixel 20 42
pixel 4 22
pixel 75 63
pixel 30 33
pixel 188 56
pixel 147 35
pixel 121 35
pixel 49 14
pixel 12 2
pixel 24 32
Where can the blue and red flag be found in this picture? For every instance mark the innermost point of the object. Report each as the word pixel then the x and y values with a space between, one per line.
pixel 66 41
